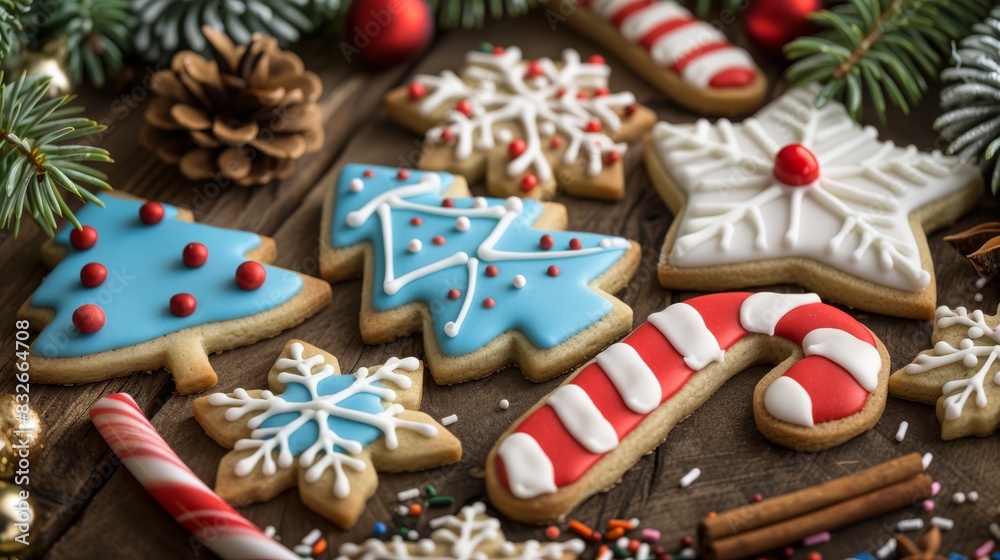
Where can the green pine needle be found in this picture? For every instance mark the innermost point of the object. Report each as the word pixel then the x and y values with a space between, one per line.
pixel 96 33
pixel 885 50
pixel 11 28
pixel 971 98
pixel 35 163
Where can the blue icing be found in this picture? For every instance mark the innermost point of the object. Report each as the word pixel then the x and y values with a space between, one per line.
pixel 304 437
pixel 548 310
pixel 864 555
pixel 144 271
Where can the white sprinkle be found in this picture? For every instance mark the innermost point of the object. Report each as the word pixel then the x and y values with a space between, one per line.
pixel 607 554
pixel 973 497
pixel 622 542
pixel 978 297
pixel 357 185
pixel 406 495
pixel 520 281
pixel 995 530
pixel 914 524
pixel 901 432
pixel 402 510
pixel 980 282
pixel 479 202
pixel 462 223
pixel 887 549
pixel 312 538
pixel 504 135
pixel 504 404
pixel 547 128
pixel 926 460
pixel 413 535
pixel 958 498
pixel 426 547
pixel 303 550
pixel 688 553
pixel 643 552
pixel 690 477
pixel 942 523
pixel 415 246
pixel 507 548
pixel 270 531
pixel 449 420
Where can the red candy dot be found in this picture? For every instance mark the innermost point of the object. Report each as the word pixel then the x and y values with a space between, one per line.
pixel 195 255
pixel 403 174
pixel 88 318
pixel 369 173
pixel 447 135
pixel 464 107
pixel 602 92
pixel 575 244
pixel 529 182
pixel 796 166
pixel 438 240
pixel 516 148
pixel 546 242
pixel 610 158
pixel 489 303
pixel 416 221
pixel 93 275
pixel 556 142
pixel 454 294
pixel 492 270
pixel 448 203
pixel 595 59
pixel 553 270
pixel 497 51
pixel 535 69
pixel 250 275
pixel 83 239
pixel 560 92
pixel 582 95
pixel 416 90
pixel 631 109
pixel 686 541
pixel 183 305
pixel 593 125
pixel 151 213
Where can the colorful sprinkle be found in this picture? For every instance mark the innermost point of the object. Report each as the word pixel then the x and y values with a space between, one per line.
pixel 369 173
pixel 958 498
pixel 183 305
pixel 489 303
pixel 416 90
pixel 519 281
pixel 546 242
pixel 406 495
pixel 438 240
pixel 984 550
pixel 650 534
pixel 529 182
pixel 927 505
pixel 553 270
pixel 504 404
pixel 913 524
pixel 379 529
pixel 440 501
pixel 416 510
pixel 403 174
pixel 250 275
pixel 88 318
pixel 886 550
pixel 581 529
pixel 462 223
pixel 416 221
pixel 575 244
pixel 818 538
pixel 973 497
pixel 430 490
pixel 449 420
pixel 492 270
pixel 690 477
pixel 942 523
pixel 901 432
pixel 516 148
pixel 415 246
pixel 552 532
pixel 454 293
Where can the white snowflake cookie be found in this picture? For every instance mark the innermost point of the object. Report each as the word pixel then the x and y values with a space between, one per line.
pixel 324 432
pixel 524 124
pixel 804 195
pixel 961 373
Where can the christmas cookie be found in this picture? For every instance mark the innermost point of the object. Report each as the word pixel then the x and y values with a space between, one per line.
pixel 325 432
pixel 141 286
pixel 961 374
pixel 525 124
pixel 829 386
pixel 486 288
pixel 688 60
pixel 803 195
pixel 469 535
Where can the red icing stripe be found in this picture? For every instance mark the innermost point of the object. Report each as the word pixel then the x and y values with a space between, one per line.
pixel 834 392
pixel 629 9
pixel 569 459
pixel 649 39
pixel 797 323
pixel 733 78
pixel 721 313
pixel 665 362
pixel 679 65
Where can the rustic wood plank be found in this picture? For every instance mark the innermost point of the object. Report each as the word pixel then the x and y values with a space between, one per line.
pixel 720 438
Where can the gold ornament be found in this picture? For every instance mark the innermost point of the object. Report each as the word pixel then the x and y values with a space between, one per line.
pixel 17 516
pixel 50 61
pixel 30 430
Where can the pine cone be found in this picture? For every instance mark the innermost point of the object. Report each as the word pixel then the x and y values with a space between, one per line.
pixel 247 115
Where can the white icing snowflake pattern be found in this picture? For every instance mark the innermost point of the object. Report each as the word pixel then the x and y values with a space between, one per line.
pixel 331 412
pixel 854 216
pixel 539 98
pixel 968 353
pixel 469 535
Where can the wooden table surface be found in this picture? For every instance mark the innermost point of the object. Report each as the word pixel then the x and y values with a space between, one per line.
pixel 91 508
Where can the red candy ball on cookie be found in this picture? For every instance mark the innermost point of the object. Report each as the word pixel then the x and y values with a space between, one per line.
pixel 195 255
pixel 796 166
pixel 516 148
pixel 88 318
pixel 83 238
pixel 183 305
pixel 151 213
pixel 93 275
pixel 250 275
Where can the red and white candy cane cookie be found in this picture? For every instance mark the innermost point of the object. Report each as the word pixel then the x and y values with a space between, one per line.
pixel 829 386
pixel 687 59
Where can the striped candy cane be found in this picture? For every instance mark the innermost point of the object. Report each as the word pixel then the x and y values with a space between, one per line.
pixel 162 473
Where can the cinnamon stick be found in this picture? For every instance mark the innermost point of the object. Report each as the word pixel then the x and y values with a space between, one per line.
pixel 845 513
pixel 788 506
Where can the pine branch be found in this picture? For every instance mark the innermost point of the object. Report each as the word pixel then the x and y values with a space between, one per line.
pixel 887 49
pixel 11 28
pixel 971 99
pixel 96 34
pixel 34 161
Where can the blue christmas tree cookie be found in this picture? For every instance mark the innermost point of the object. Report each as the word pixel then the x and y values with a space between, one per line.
pixel 141 286
pixel 484 285
pixel 324 432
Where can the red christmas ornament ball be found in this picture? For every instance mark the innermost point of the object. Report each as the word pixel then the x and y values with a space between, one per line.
pixel 88 318
pixel 93 275
pixel 796 166
pixel 183 305
pixel 83 238
pixel 195 255
pixel 250 275
pixel 151 213
pixel 771 24
pixel 387 32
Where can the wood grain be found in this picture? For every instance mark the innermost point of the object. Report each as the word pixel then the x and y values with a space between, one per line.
pixel 92 509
